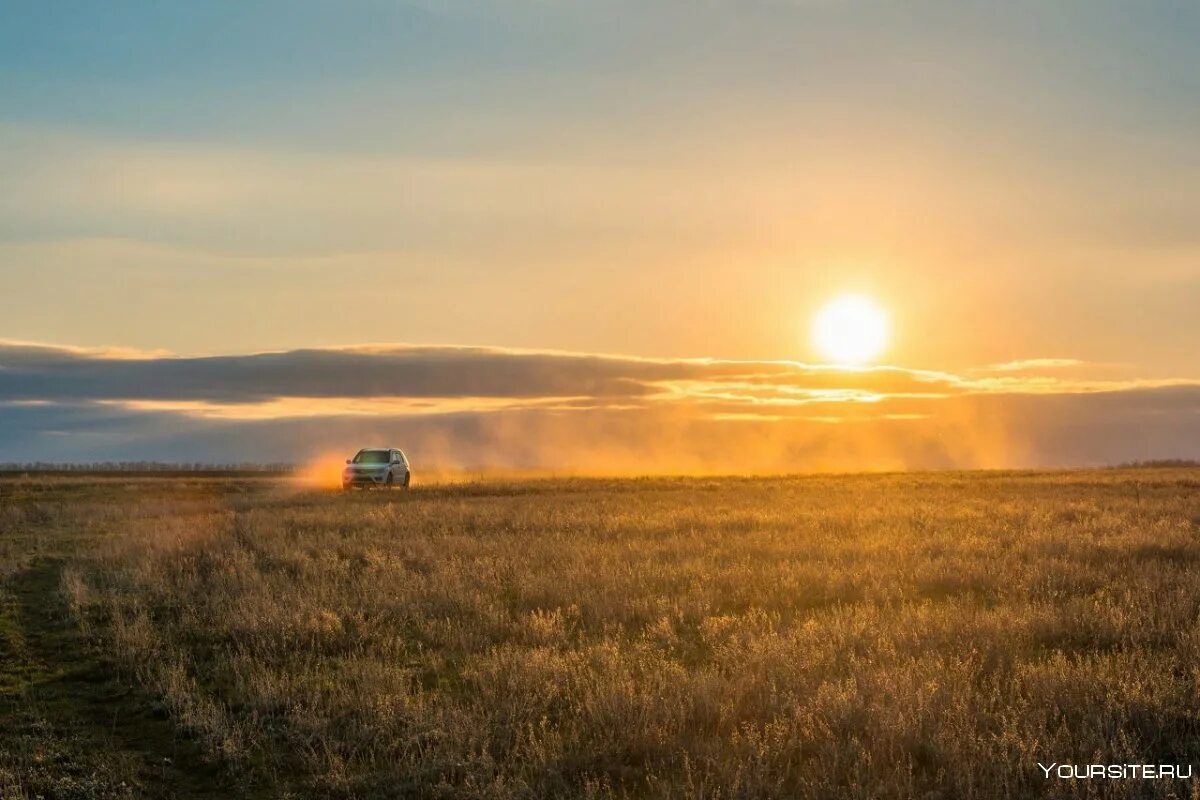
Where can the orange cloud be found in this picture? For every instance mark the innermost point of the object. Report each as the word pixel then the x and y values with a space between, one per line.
pixel 475 408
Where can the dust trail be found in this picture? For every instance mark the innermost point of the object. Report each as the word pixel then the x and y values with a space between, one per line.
pixel 320 472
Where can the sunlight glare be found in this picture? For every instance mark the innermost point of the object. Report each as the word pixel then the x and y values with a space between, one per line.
pixel 850 330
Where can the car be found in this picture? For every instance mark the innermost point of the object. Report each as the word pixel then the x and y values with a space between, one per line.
pixel 377 466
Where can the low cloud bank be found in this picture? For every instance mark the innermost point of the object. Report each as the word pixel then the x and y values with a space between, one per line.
pixel 472 408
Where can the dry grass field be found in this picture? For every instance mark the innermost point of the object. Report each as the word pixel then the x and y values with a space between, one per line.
pixel 886 636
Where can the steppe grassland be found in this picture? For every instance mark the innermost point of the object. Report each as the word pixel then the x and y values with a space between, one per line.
pixel 856 636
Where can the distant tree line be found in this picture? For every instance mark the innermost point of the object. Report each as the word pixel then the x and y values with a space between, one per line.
pixel 141 466
pixel 1159 463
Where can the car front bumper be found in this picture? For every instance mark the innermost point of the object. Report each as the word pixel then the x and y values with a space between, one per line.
pixel 364 479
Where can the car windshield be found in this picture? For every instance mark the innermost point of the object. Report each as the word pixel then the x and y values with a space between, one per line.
pixel 372 457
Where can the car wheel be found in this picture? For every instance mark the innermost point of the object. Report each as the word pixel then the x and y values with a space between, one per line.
pixel 389 482
pixel 407 480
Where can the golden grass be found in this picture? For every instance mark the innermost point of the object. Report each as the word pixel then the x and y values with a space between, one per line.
pixel 862 636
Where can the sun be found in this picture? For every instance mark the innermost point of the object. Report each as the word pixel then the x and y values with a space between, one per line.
pixel 850 330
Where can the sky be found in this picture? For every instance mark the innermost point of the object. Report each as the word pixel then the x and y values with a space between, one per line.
pixel 586 235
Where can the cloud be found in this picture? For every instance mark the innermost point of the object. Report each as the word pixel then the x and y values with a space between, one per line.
pixel 335 381
pixel 478 406
pixel 1031 364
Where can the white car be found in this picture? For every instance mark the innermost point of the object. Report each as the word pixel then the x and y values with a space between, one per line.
pixel 377 466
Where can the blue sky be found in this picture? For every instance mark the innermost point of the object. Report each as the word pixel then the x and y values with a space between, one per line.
pixel 1011 181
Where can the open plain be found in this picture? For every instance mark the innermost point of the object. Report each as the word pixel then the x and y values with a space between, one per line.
pixel 884 636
